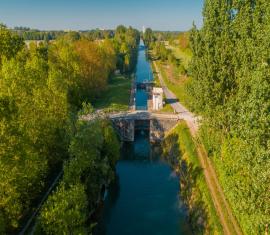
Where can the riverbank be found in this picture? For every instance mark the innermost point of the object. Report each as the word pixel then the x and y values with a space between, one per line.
pixel 179 149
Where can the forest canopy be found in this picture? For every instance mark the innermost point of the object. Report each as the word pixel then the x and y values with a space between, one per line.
pixel 42 88
pixel 231 90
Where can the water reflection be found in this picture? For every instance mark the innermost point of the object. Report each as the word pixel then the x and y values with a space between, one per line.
pixel 144 198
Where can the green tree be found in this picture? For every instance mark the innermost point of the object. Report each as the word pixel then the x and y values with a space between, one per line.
pixel 10 44
pixel 231 88
pixel 148 36
pixel 65 211
pixel 126 42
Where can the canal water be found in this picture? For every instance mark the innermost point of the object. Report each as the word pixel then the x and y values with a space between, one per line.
pixel 144 199
pixel 143 73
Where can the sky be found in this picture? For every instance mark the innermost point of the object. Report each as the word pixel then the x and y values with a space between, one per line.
pixel 174 15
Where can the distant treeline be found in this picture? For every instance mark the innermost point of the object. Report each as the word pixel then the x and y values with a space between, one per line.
pixel 35 34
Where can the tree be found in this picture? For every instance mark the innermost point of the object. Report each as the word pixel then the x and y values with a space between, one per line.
pixel 41 89
pixel 65 211
pixel 231 89
pixel 126 42
pixel 94 150
pixel 10 44
pixel 33 116
pixel 148 36
pixel 161 51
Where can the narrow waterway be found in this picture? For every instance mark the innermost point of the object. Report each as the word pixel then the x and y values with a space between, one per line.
pixel 144 200
pixel 143 73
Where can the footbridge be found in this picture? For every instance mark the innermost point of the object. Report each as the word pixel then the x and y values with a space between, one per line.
pixel 126 123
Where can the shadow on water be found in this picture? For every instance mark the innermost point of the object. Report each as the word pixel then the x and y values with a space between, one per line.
pixel 190 175
pixel 144 197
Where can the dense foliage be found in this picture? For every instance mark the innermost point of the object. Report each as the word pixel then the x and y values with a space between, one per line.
pixel 126 42
pixel 41 89
pixel 10 44
pixel 148 37
pixel 34 117
pixel 94 150
pixel 231 89
pixel 35 34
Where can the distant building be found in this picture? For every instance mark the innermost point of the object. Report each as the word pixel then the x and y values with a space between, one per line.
pixel 143 29
pixel 157 98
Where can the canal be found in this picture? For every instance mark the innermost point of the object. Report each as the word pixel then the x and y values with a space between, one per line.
pixel 144 199
pixel 143 73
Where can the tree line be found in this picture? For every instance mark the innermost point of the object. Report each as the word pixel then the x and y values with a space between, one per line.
pixel 42 88
pixel 155 42
pixel 35 34
pixel 93 34
pixel 231 90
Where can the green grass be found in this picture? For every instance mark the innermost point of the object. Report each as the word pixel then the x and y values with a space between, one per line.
pixel 178 89
pixel 117 95
pixel 189 154
pixel 155 76
pixel 167 109
pixel 184 55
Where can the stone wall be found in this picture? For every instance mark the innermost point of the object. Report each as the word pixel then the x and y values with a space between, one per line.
pixel 124 128
pixel 157 130
pixel 159 127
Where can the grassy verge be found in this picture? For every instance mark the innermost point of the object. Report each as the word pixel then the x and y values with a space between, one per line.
pixel 180 146
pixel 155 76
pixel 167 108
pixel 117 96
pixel 184 55
pixel 179 89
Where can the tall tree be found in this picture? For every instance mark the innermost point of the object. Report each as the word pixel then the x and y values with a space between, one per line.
pixel 231 88
pixel 10 44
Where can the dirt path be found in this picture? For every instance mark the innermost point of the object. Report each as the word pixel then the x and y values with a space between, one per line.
pixel 227 220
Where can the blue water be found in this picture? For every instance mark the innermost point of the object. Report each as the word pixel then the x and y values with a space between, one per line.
pixel 145 197
pixel 144 200
pixel 143 73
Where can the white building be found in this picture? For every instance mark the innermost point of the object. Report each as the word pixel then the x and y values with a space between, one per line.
pixel 143 29
pixel 157 98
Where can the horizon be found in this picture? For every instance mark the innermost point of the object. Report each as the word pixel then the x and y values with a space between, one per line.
pixel 82 15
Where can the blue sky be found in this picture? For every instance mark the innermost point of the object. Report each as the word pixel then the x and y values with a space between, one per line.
pixel 89 14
